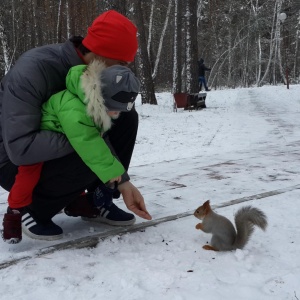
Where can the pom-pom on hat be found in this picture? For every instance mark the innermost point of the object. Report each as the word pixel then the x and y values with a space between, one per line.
pixel 120 88
pixel 113 36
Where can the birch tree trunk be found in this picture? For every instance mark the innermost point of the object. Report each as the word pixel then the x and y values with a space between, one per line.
pixel 35 17
pixel 246 60
pixel 273 37
pixel 177 48
pixel 4 46
pixel 259 51
pixel 158 55
pixel 59 22
pixel 255 8
pixel 144 67
pixel 240 40
pixel 68 19
pixel 150 29
pixel 296 53
pixel 230 54
pixel 191 47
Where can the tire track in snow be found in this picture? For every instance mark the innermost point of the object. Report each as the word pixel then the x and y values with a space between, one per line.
pixel 93 240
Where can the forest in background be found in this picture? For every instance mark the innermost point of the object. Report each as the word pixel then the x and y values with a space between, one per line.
pixel 244 41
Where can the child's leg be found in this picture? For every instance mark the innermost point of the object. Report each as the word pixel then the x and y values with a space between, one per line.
pixel 21 192
pixel 20 196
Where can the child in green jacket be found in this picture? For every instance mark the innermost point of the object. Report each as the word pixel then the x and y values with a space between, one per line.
pixel 83 112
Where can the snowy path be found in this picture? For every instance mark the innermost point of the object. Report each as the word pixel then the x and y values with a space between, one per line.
pixel 246 143
pixel 181 185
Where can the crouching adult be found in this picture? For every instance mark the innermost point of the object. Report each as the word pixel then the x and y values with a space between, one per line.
pixel 36 76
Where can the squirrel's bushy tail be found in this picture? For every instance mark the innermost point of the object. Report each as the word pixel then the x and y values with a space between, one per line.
pixel 245 220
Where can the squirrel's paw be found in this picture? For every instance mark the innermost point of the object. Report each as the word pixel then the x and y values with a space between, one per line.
pixel 198 226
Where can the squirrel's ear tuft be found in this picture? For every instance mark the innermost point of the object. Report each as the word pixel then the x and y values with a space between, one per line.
pixel 206 203
pixel 206 206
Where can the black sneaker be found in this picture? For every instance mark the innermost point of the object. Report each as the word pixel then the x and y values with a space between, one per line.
pixel 112 215
pixel 48 231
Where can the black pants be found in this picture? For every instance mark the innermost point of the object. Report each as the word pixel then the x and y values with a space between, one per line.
pixel 63 179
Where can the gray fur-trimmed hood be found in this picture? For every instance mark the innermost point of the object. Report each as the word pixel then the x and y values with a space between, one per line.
pixel 92 88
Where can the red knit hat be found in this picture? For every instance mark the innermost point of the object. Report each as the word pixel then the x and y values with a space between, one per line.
pixel 112 35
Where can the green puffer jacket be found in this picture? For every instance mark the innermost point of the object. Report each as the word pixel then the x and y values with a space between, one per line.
pixel 80 114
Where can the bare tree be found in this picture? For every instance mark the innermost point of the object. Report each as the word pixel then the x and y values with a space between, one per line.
pixel 177 46
pixel 144 67
pixel 4 46
pixel 158 55
pixel 150 28
pixel 275 35
pixel 243 41
pixel 296 51
pixel 59 22
pixel 191 47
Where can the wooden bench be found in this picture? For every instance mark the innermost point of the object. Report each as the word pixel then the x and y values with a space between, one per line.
pixel 189 101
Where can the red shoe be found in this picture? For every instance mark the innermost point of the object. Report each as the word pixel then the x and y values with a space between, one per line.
pixel 81 207
pixel 12 227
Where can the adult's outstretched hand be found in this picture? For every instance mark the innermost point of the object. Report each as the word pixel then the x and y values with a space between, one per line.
pixel 134 200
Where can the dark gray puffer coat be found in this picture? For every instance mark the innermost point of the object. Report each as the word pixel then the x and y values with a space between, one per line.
pixel 38 74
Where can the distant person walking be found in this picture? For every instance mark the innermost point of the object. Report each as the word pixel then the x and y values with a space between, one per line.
pixel 201 73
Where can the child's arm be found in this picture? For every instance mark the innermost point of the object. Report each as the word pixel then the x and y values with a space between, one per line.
pixel 85 138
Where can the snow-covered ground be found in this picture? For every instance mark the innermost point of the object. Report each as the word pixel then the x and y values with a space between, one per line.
pixel 245 143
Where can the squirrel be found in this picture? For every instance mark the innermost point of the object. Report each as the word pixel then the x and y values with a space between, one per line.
pixel 224 235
